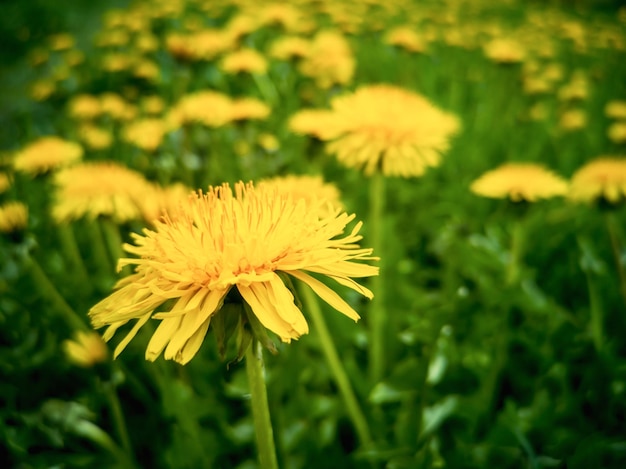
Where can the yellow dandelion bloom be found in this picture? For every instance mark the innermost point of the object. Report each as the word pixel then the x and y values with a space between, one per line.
pixel 84 106
pixel 210 108
pixel 158 201
pixel 329 60
pixel 280 14
pixel 42 89
pixel 268 142
pixel 5 182
pixel 290 47
pixel 615 109
pixel 617 132
pixel 116 107
pixel 241 25
pixel 249 108
pixel 504 50
pixel 604 178
pixel 45 154
pixel 95 137
pixel 192 262
pixel 405 37
pixel 573 119
pixel 153 105
pixel 577 89
pixel 244 60
pixel 96 189
pixel 86 350
pixel 519 182
pixel 382 128
pixel 13 217
pixel 61 41
pixel 147 134
pixel 147 69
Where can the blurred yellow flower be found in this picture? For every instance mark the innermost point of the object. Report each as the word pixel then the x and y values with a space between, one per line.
pixel 86 350
pixel 405 37
pixel 329 60
pixel 42 89
pixel 249 108
pixel 519 182
pixel 576 89
pixel 157 200
pixel 61 41
pixel 95 137
pixel 13 217
pixel 615 109
pixel 96 189
pixel 116 107
pixel 244 60
pixel 289 47
pixel 603 178
pixel 617 132
pixel 505 50
pixel 147 133
pixel 84 106
pixel 573 119
pixel 45 154
pixel 268 142
pixel 153 105
pixel 382 128
pixel 5 182
pixel 193 263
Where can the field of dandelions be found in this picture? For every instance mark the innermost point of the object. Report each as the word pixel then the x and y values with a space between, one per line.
pixel 412 211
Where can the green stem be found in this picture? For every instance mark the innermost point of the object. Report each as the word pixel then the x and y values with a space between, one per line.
pixel 597 315
pixel 113 240
pixel 266 88
pixel 517 245
pixel 377 321
pixel 47 289
pixel 70 248
pixel 98 249
pixel 260 407
pixel 118 417
pixel 616 246
pixel 95 434
pixel 339 373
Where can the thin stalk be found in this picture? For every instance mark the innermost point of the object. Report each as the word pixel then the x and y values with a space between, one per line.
pixel 113 240
pixel 50 293
pixel 338 371
pixel 260 408
pixel 517 245
pixel 70 248
pixel 596 312
pixel 98 248
pixel 616 246
pixel 118 417
pixel 377 322
pixel 95 434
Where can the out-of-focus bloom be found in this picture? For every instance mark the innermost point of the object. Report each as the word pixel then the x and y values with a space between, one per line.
pixel 74 57
pixel 268 142
pixel 95 137
pixel 504 50
pixel 538 112
pixel 573 119
pixel 86 350
pixel 519 182
pixel 99 189
pixel 146 134
pixel 42 89
pixel 116 107
pixel 536 85
pixel 576 90
pixel 147 42
pixel 617 132
pixel 241 25
pixel 249 108
pixel 244 60
pixel 5 182
pixel 61 41
pixel 45 154
pixel 193 263
pixel 312 189
pixel 147 69
pixel 84 106
pixel 157 201
pixel 615 109
pixel 13 217
pixel 117 62
pixel 382 128
pixel 329 60
pixel 405 37
pixel 113 38
pixel 202 45
pixel 290 47
pixel 603 178
pixel 153 105
pixel 279 14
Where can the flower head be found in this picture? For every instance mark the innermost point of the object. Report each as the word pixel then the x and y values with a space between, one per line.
pixel 519 182
pixel 604 178
pixel 88 349
pixel 382 128
pixel 147 133
pixel 244 60
pixel 241 242
pixel 615 109
pixel 47 153
pixel 504 50
pixel 13 217
pixel 329 60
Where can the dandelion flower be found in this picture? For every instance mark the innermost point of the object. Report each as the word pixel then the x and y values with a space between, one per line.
pixel 84 106
pixel 94 137
pixel 290 47
pixel 5 182
pixel 192 262
pixel 615 109
pixel 329 60
pixel 604 178
pixel 146 134
pixel 244 60
pixel 573 119
pixel 617 132
pixel 519 182
pixel 96 189
pixel 13 217
pixel 382 128
pixel 249 108
pixel 45 154
pixel 157 201
pixel 86 350
pixel 503 50
pixel 406 38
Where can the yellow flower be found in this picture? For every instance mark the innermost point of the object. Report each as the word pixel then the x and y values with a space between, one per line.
pixel 617 132
pixel 573 119
pixel 5 182
pixel 96 189
pixel 249 108
pixel 192 263
pixel 153 105
pixel 94 137
pixel 603 178
pixel 42 89
pixel 519 182
pixel 244 60
pixel 47 153
pixel 329 60
pixel 503 50
pixel 382 128
pixel 61 41
pixel 157 201
pixel 406 38
pixel 147 69
pixel 146 134
pixel 615 109
pixel 84 106
pixel 268 142
pixel 13 217
pixel 290 47
pixel 88 349
pixel 116 107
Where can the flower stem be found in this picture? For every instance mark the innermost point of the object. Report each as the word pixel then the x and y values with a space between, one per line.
pixel 118 417
pixel 616 246
pixel 260 407
pixel 70 248
pixel 339 373
pixel 113 239
pixel 98 248
pixel 47 289
pixel 377 313
pixel 517 245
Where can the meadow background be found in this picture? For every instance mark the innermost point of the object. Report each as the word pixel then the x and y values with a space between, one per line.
pixel 480 371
